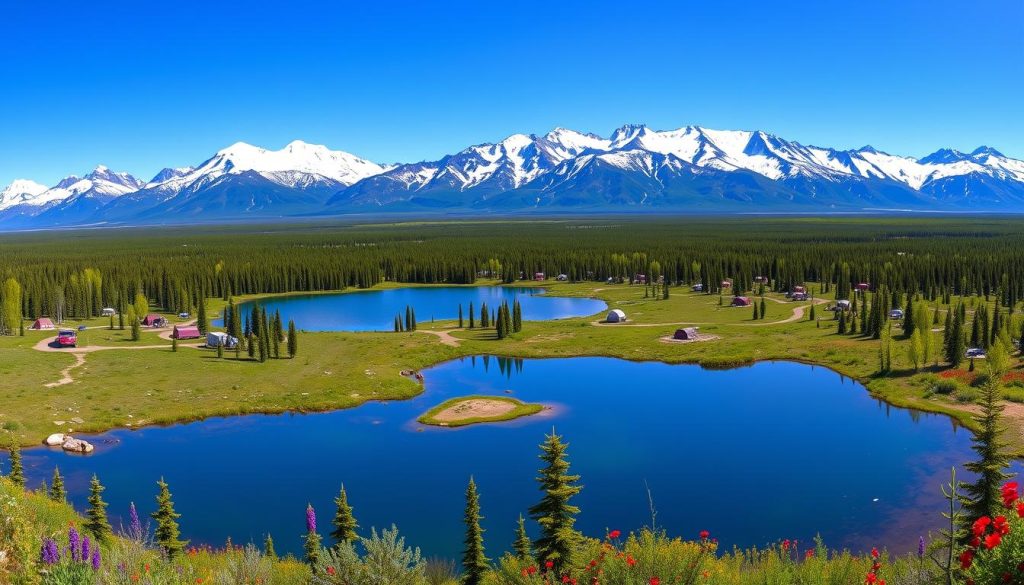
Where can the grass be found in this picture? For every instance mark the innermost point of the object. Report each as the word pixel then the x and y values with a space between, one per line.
pixel 521 409
pixel 118 388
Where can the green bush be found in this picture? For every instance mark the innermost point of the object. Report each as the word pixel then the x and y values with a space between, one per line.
pixel 967 394
pixel 946 387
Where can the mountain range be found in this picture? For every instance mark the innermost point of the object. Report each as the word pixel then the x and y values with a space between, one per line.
pixel 636 169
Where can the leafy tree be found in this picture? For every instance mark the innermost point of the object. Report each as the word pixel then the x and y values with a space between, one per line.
pixel 168 532
pixel 57 492
pixel 10 310
pixel 141 305
pixel 554 514
pixel 96 521
pixel 474 561
pixel 344 521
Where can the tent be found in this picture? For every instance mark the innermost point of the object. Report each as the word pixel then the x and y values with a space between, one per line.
pixel 42 323
pixel 615 316
pixel 741 301
pixel 218 338
pixel 154 320
pixel 186 332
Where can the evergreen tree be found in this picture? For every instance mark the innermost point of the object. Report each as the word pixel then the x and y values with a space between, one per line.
pixel 278 327
pixel 167 531
pixel 517 316
pixel 555 515
pixel 955 345
pixel 201 321
pixel 460 315
pixel 762 308
pixel 17 475
pixel 275 345
pixel 812 316
pixel 268 548
pixel 311 542
pixel 983 496
pixel 474 562
pixel 174 344
pixel 235 329
pixel 408 318
pixel 293 339
pixel 261 347
pixel 344 521
pixel 841 330
pixel 96 515
pixel 755 311
pixel 472 322
pixel 414 319
pixel 484 316
pixel 499 326
pixel 57 492
pixel 909 318
pixel 220 350
pixel 522 544
pixel 136 325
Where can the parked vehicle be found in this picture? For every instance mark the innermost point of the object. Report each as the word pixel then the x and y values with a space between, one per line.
pixel 67 338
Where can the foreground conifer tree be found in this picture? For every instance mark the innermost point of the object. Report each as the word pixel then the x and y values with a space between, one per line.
pixel 57 492
pixel 983 495
pixel 522 544
pixel 555 515
pixel 96 521
pixel 474 561
pixel 17 475
pixel 344 520
pixel 167 531
pixel 311 543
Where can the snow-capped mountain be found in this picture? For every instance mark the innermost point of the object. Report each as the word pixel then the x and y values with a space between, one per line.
pixel 635 168
pixel 21 192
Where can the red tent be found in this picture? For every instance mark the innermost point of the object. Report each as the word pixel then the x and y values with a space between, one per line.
pixel 42 323
pixel 741 301
pixel 153 320
pixel 186 332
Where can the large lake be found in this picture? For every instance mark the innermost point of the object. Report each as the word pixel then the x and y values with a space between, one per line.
pixel 375 310
pixel 776 450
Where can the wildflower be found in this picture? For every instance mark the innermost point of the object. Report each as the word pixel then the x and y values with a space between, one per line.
pixel 85 549
pixel 785 544
pixel 1020 508
pixel 980 525
pixel 870 579
pixel 74 542
pixel 966 558
pixel 920 547
pixel 874 553
pixel 1001 526
pixel 549 564
pixel 809 553
pixel 992 540
pixel 49 553
pixel 330 571
pixel 310 519
pixel 1010 493
pixel 96 559
pixel 614 534
pixel 630 561
pixel 654 581
pixel 704 534
pixel 134 526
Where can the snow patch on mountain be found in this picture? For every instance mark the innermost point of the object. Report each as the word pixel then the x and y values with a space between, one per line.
pixel 21 192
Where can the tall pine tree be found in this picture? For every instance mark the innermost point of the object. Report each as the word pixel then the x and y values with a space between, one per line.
pixel 474 561
pixel 17 475
pixel 983 496
pixel 555 515
pixel 57 492
pixel 168 532
pixel 96 521
pixel 293 339
pixel 521 544
pixel 344 521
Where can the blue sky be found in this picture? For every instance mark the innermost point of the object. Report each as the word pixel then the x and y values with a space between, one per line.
pixel 142 85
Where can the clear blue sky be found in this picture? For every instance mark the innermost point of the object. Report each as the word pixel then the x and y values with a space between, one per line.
pixel 142 85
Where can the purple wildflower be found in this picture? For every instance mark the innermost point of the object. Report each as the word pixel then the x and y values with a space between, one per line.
pixel 310 519
pixel 85 549
pixel 920 547
pixel 74 542
pixel 134 526
pixel 49 553
pixel 96 559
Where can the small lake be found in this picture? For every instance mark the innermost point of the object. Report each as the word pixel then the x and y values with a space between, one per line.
pixel 776 450
pixel 375 310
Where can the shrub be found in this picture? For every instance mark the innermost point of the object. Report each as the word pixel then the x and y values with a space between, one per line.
pixel 945 387
pixel 967 394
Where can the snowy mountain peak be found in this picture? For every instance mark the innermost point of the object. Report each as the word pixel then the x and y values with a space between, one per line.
pixel 20 192
pixel 170 173
pixel 986 151
pixel 944 156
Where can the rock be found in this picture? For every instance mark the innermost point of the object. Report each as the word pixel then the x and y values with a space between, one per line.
pixel 77 446
pixel 77 421
pixel 55 439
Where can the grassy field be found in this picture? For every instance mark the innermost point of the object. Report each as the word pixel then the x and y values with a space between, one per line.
pixel 128 388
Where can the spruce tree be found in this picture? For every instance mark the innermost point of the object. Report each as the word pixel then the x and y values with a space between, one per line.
pixel 201 321
pixel 57 492
pixel 555 515
pixel 474 561
pixel 293 339
pixel 96 521
pixel 167 531
pixel 220 350
pixel 909 319
pixel 983 496
pixel 472 321
pixel 517 316
pixel 174 344
pixel 460 315
pixel 235 329
pixel 311 542
pixel 522 544
pixel 762 308
pixel 841 330
pixel 755 311
pixel 344 521
pixel 408 318
pixel 268 548
pixel 136 325
pixel 17 475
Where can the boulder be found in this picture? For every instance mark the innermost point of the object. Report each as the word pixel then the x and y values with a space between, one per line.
pixel 56 439
pixel 77 445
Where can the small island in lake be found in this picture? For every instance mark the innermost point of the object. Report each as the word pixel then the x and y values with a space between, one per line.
pixel 468 410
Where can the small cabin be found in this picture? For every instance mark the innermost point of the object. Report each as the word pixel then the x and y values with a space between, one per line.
pixel 640 279
pixel 538 276
pixel 896 314
pixel 615 316
pixel 798 289
pixel 154 320
pixel 686 334
pixel 699 287
pixel 108 312
pixel 842 305
pixel 186 332
pixel 741 301
pixel 42 323
pixel 219 338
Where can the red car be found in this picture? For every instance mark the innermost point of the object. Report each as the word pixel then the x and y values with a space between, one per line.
pixel 67 338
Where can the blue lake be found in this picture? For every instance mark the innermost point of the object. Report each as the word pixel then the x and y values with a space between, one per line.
pixel 375 310
pixel 775 450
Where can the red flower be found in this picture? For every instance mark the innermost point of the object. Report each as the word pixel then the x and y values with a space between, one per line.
pixel 809 553
pixel 704 534
pixel 870 579
pixel 1001 526
pixel 330 570
pixel 785 544
pixel 1020 508
pixel 966 558
pixel 1010 494
pixel 630 561
pixel 549 564
pixel 614 534
pixel 993 540
pixel 874 553
pixel 655 581
pixel 980 525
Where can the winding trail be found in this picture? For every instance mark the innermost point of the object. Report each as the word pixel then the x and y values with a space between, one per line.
pixel 798 314
pixel 66 372
pixel 444 335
